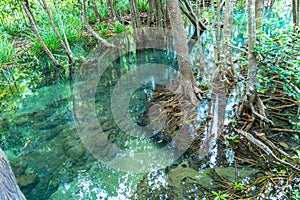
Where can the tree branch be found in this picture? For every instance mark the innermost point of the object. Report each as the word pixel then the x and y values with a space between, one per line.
pixel 91 30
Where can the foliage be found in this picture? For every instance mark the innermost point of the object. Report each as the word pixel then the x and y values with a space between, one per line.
pixel 16 28
pixel 219 196
pixel 72 27
pixel 6 50
pixel 91 17
pixel 296 194
pixel 122 7
pixel 49 38
pixel 118 27
pixel 103 11
pixel 279 61
pixel 142 5
pixel 6 80
pixel 241 4
pixel 298 154
pixel 102 28
pixel 233 138
pixel 238 186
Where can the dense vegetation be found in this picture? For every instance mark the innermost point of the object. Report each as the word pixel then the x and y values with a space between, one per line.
pixel 44 43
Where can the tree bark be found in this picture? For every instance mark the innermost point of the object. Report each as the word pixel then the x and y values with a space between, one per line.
pixel 157 14
pixel 226 55
pixel 201 54
pixel 296 12
pixel 95 9
pixel 135 14
pixel 150 12
pixel 252 66
pixel 37 32
pixel 111 8
pixel 188 11
pixel 187 81
pixel 251 101
pixel 216 25
pixel 259 6
pixel 9 189
pixel 219 93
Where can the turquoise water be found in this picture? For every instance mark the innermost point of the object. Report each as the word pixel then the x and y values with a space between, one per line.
pixel 43 145
pixel 48 157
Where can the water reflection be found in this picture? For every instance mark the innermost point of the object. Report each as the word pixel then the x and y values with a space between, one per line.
pixel 42 143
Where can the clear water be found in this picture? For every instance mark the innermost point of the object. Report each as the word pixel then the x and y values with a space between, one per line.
pixel 40 138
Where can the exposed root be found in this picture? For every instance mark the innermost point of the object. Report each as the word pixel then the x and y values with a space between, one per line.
pixel 282 107
pixel 262 117
pixel 252 104
pixel 262 136
pixel 174 111
pixel 265 148
pixel 285 130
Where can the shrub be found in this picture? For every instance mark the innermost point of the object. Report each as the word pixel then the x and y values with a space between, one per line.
pixel 118 27
pixel 6 50
pixel 279 61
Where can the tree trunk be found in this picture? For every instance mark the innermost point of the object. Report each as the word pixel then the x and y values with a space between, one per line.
pixel 252 66
pixel 135 14
pixel 219 93
pixel 95 9
pixel 216 25
pixel 226 55
pixel 150 12
pixel 201 54
pixel 296 12
pixel 37 32
pixel 159 19
pixel 259 6
pixel 111 8
pixel 188 11
pixel 157 14
pixel 187 81
pixel 251 101
pixel 9 189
